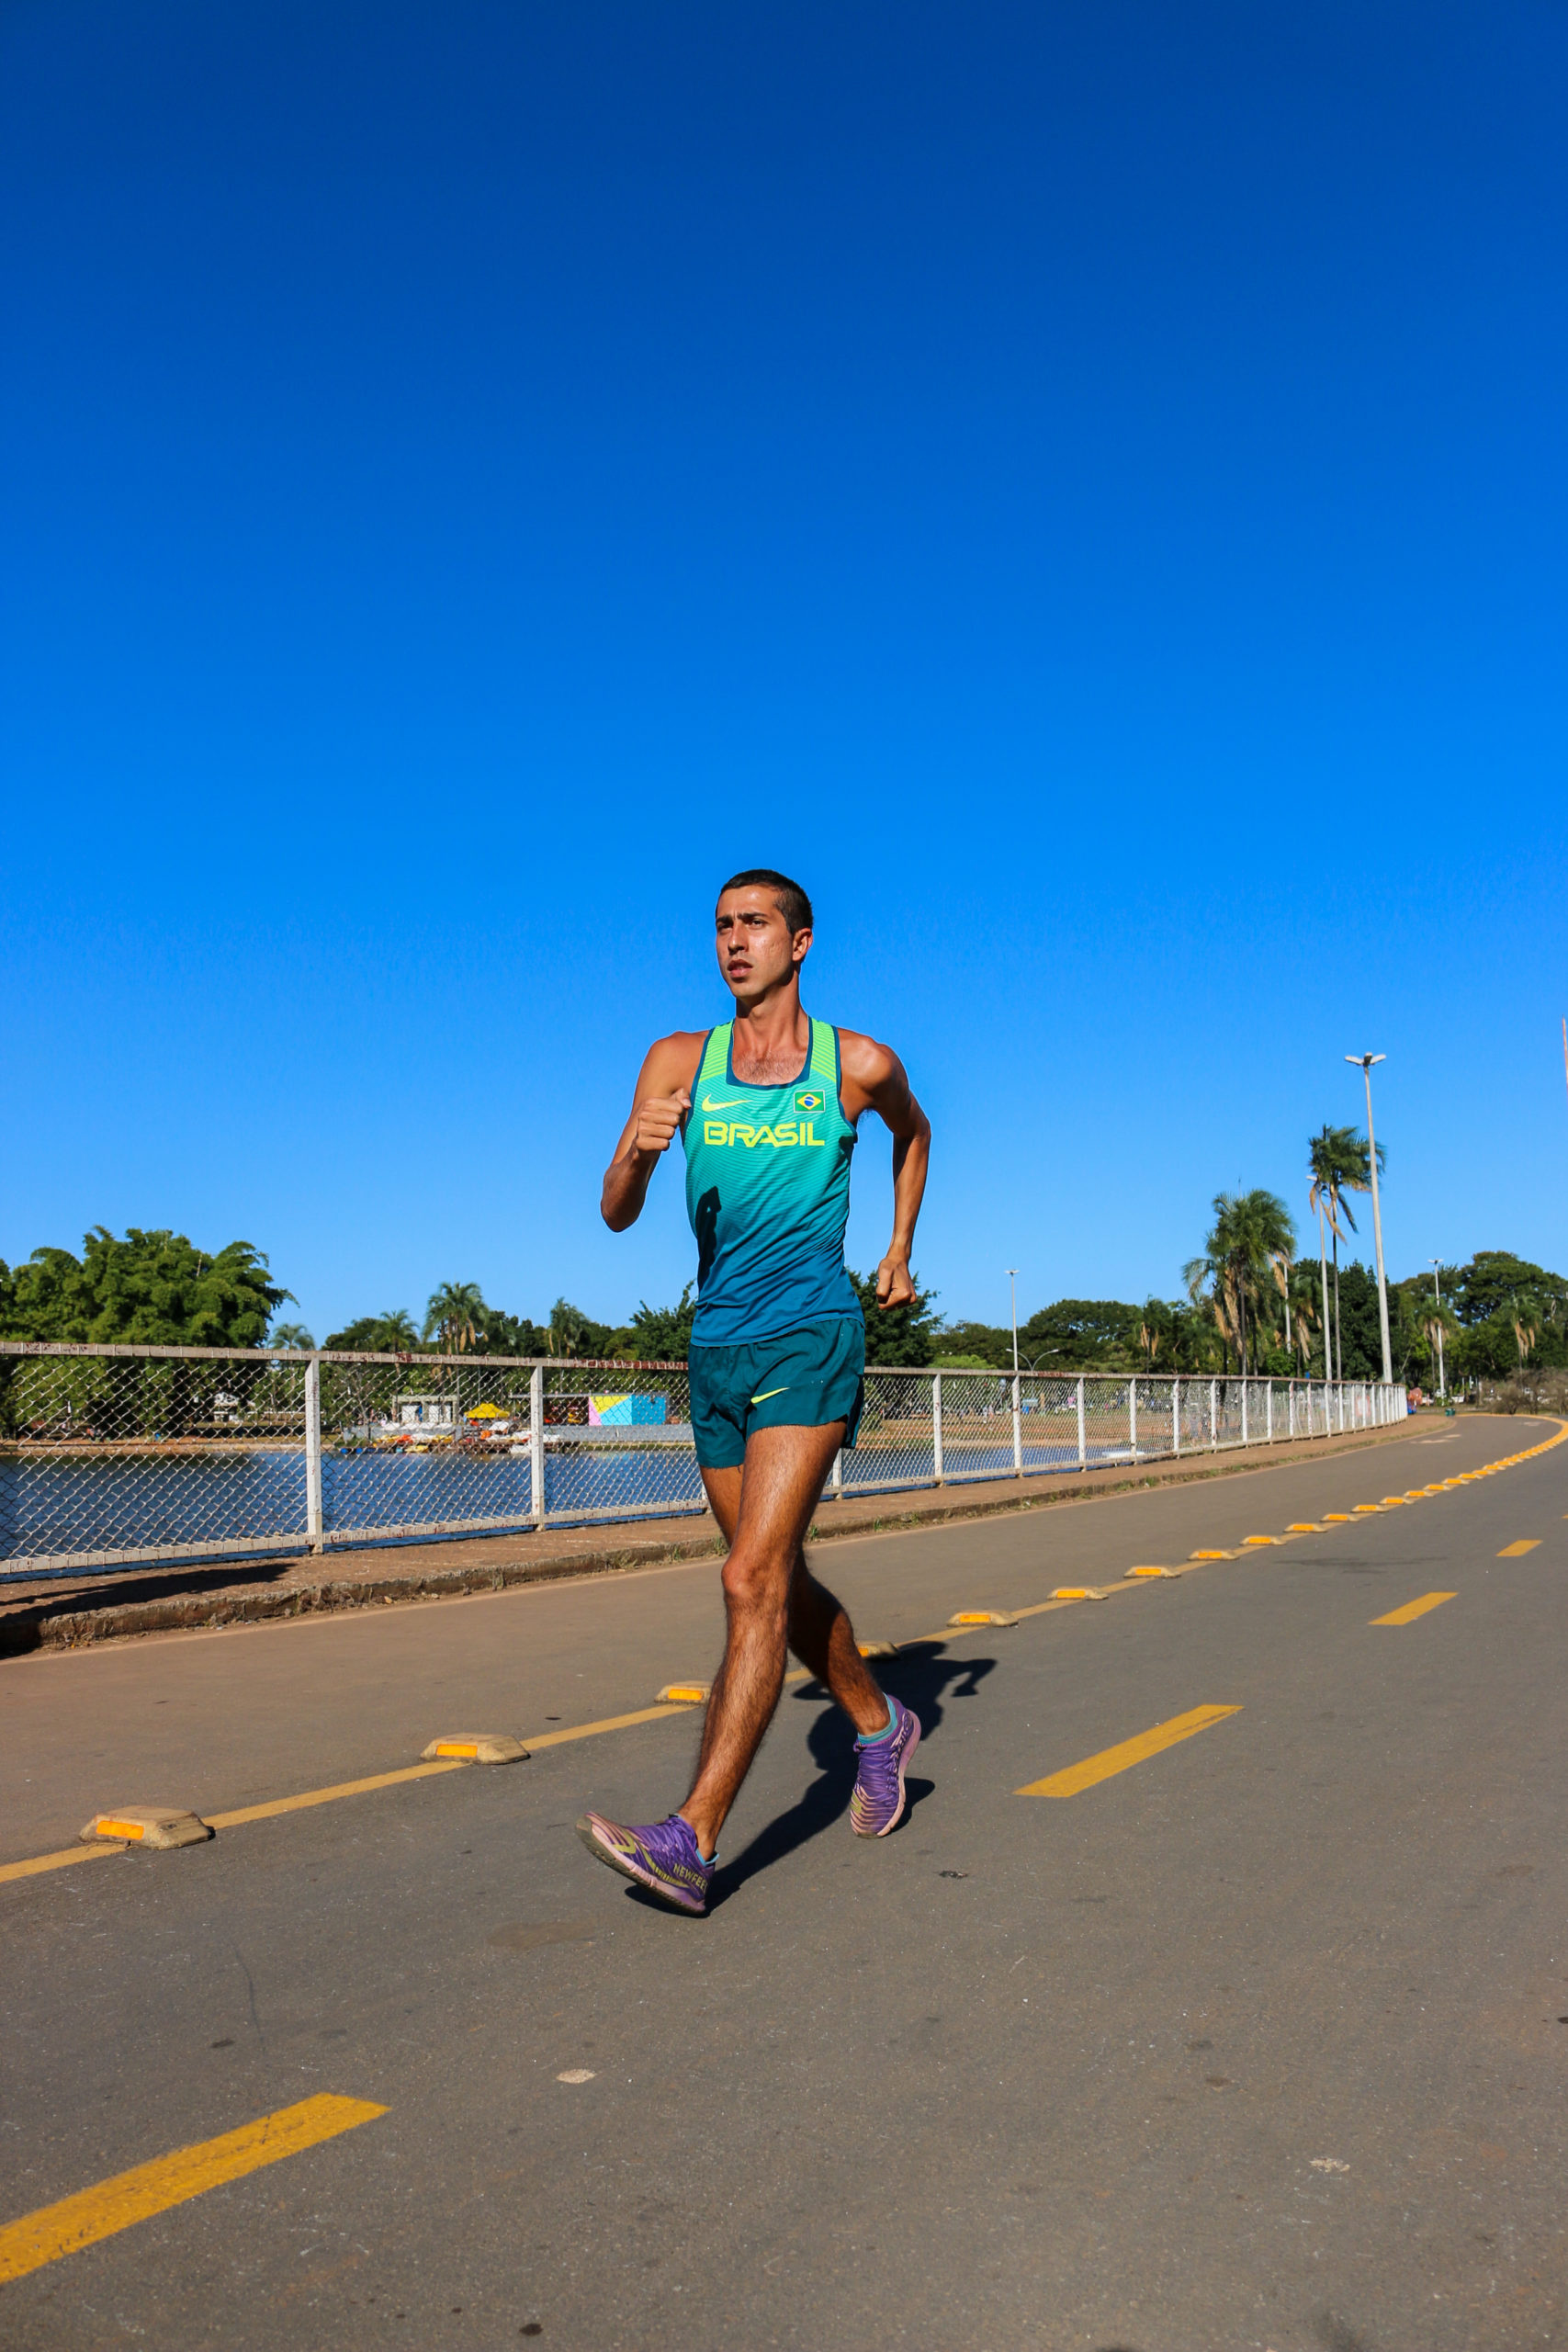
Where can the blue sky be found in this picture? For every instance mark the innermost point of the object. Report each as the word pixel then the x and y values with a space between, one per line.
pixel 1083 489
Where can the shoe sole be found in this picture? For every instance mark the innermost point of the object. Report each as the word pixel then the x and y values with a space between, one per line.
pixel 629 1869
pixel 903 1768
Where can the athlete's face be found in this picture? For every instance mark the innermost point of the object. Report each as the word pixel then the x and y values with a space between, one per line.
pixel 756 946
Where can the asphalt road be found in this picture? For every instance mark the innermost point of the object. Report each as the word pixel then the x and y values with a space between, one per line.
pixel 1257 2042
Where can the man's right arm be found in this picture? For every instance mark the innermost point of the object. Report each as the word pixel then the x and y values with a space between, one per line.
pixel 663 1097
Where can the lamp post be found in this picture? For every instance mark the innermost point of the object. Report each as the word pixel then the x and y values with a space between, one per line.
pixel 1016 1393
pixel 1436 1266
pixel 1012 1281
pixel 1366 1063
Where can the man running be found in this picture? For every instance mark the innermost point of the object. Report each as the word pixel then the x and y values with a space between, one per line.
pixel 766 1105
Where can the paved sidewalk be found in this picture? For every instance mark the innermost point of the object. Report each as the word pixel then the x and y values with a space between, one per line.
pixel 68 1612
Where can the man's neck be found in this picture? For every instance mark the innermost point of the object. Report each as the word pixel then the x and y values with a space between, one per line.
pixel 773 1029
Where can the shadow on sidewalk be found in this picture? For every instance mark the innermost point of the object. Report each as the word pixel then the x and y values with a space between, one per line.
pixel 925 1682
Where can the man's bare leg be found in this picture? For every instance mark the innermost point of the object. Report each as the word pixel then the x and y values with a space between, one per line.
pixel 772 1603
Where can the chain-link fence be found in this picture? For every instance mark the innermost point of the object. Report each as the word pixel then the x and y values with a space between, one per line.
pixel 114 1458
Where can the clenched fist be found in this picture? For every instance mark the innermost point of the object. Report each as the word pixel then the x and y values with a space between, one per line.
pixel 659 1120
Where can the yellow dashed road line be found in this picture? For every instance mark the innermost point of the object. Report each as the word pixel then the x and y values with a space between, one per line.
pixel 136 2195
pixel 1111 1760
pixel 1414 1609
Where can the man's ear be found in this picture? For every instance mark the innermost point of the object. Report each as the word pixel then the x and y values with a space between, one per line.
pixel 801 946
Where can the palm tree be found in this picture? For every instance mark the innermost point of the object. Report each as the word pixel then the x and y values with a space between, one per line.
pixel 396 1336
pixel 1252 1232
pixel 569 1330
pixel 454 1313
pixel 289 1335
pixel 1338 1162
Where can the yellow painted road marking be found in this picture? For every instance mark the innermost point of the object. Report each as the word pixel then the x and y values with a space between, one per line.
pixel 307 1797
pixel 136 2195
pixel 1111 1760
pixel 35 1862
pixel 1516 1551
pixel 1414 1609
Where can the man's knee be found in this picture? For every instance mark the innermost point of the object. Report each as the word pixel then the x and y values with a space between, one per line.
pixel 754 1583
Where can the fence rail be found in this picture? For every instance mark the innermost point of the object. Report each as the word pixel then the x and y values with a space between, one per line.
pixel 115 1458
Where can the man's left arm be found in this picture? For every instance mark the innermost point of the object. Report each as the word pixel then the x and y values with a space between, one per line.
pixel 875 1080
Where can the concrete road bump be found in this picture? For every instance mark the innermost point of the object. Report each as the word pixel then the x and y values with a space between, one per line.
pixel 159 1827
pixel 1078 1592
pixel 1366 1510
pixel 877 1649
pixel 475 1747
pixel 1263 1539
pixel 1211 1555
pixel 1307 1527
pixel 684 1694
pixel 983 1617
pixel 1151 1572
pixel 1335 1518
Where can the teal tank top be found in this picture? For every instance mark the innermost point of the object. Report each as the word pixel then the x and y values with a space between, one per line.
pixel 768 1194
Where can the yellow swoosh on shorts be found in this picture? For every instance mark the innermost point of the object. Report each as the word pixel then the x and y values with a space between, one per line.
pixel 769 1392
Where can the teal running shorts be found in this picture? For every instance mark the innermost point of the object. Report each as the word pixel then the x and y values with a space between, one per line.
pixel 803 1378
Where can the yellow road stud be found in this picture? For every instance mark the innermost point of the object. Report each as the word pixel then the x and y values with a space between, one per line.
pixel 685 1694
pixel 982 1617
pixel 877 1649
pixel 475 1747
pixel 1151 1572
pixel 1077 1592
pixel 1306 1527
pixel 1335 1518
pixel 1368 1511
pixel 1260 1539
pixel 1211 1555
pixel 159 1827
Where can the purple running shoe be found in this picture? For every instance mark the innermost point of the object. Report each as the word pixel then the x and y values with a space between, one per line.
pixel 663 1858
pixel 877 1805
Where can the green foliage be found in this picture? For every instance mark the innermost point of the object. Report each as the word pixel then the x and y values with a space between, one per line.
pixel 896 1334
pixel 391 1334
pixel 1242 1275
pixel 293 1336
pixel 142 1290
pixel 659 1334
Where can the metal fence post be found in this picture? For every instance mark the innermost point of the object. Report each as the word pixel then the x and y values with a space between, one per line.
pixel 1132 1415
pixel 838 1479
pixel 1213 1417
pixel 936 1427
pixel 1017 1430
pixel 1083 1444
pixel 1175 1413
pixel 536 1443
pixel 1271 1431
pixel 1245 1388
pixel 313 1527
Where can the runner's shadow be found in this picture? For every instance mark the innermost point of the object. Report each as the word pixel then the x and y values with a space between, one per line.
pixel 923 1680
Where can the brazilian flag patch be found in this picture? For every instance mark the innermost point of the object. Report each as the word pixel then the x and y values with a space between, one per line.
pixel 808 1099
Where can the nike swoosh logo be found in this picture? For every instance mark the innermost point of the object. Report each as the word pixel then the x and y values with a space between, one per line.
pixel 733 1104
pixel 769 1392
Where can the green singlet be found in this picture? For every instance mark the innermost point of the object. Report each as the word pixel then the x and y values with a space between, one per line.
pixel 768 1194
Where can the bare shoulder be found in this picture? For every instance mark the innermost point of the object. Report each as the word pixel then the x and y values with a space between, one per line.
pixel 670 1062
pixel 868 1065
pixel 875 1080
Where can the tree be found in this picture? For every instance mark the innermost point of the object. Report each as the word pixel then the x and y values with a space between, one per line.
pixel 289 1335
pixel 453 1315
pixel 391 1334
pixel 574 1333
pixel 659 1334
pixel 146 1289
pixel 896 1334
pixel 1252 1232
pixel 1338 1162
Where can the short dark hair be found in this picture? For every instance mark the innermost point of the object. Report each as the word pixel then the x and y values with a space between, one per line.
pixel 794 904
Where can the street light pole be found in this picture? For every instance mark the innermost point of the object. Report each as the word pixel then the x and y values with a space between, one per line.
pixel 1366 1063
pixel 1012 1279
pixel 1436 1266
